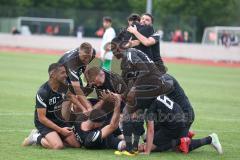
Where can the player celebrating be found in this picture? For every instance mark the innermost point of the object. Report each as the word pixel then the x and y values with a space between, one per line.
pixel 151 41
pixel 53 132
pixel 178 95
pixel 144 83
pixel 75 62
pixel 93 134
pixel 134 20
pixel 102 79
pixel 167 129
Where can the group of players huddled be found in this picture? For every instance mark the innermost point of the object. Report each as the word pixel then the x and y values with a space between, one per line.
pixel 144 94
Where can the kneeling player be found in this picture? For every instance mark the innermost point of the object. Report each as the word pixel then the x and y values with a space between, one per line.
pixel 92 134
pixel 53 132
pixel 166 129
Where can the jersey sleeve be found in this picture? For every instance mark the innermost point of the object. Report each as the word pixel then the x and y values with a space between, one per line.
pixel 41 99
pixel 72 73
pixel 93 139
pixel 156 37
pixel 139 61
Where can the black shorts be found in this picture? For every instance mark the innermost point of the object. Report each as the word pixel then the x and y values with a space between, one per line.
pixel 163 137
pixel 94 141
pixel 43 130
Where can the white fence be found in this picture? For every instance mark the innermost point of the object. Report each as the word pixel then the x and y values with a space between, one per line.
pixel 168 49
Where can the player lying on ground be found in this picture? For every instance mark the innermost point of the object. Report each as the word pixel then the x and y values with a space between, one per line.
pixel 151 41
pixel 144 83
pixel 75 62
pixel 167 129
pixel 94 134
pixel 101 80
pixel 53 133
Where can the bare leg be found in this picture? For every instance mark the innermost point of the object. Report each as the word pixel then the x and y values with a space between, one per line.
pixel 71 141
pixel 52 141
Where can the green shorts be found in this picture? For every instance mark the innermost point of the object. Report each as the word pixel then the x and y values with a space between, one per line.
pixel 106 65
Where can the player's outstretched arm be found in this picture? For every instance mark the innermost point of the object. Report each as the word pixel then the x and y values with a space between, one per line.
pixel 107 130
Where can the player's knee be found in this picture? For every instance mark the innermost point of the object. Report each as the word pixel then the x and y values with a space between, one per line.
pixel 72 141
pixel 57 146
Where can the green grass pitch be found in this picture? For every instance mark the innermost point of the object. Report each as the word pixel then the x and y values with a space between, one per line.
pixel 214 93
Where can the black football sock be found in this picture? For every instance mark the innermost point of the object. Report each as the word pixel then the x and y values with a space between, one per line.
pixel 127 132
pixel 136 142
pixel 196 143
pixel 39 138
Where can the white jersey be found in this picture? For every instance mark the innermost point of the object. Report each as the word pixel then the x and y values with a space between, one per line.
pixel 108 35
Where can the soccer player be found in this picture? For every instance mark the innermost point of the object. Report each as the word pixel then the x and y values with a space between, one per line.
pixel 144 82
pixel 53 131
pixel 75 62
pixel 151 41
pixel 109 34
pixel 147 31
pixel 93 134
pixel 102 79
pixel 139 72
pixel 178 96
pixel 166 129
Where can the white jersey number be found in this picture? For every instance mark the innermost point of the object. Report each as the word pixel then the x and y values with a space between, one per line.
pixel 166 101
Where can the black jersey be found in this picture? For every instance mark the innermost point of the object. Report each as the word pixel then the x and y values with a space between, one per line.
pixel 156 48
pixel 178 95
pixel 73 65
pixel 135 64
pixel 51 101
pixel 113 82
pixel 166 113
pixel 146 31
pixel 95 136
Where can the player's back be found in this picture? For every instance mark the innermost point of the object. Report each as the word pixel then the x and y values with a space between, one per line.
pixel 178 95
pixel 166 113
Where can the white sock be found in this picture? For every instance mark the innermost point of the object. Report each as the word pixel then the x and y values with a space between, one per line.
pixel 35 136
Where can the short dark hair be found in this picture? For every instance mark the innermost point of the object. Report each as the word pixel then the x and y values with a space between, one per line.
pixel 149 15
pixel 134 17
pixel 86 47
pixel 97 115
pixel 91 73
pixel 107 19
pixel 54 66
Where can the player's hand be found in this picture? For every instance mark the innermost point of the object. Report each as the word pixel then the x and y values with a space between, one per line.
pixel 66 131
pixel 141 147
pixel 132 29
pixel 106 95
pixel 117 97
